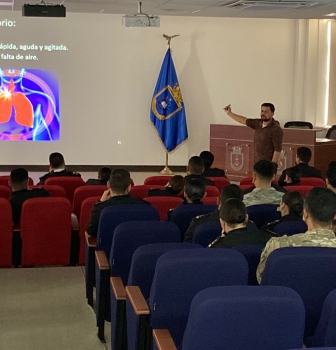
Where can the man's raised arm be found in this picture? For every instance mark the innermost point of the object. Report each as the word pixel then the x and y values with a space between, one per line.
pixel 238 118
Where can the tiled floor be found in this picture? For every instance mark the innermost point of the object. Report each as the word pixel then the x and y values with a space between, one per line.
pixel 45 309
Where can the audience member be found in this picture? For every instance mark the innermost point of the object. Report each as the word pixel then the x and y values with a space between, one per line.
pixel 195 170
pixel 264 193
pixel 233 219
pixel 208 159
pixel 174 187
pixel 104 174
pixel 118 186
pixel 57 168
pixel 331 176
pixel 230 191
pixel 303 156
pixel 293 177
pixel 318 213
pixel 20 193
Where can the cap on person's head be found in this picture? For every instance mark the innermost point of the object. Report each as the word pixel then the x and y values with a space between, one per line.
pixel 270 105
pixel 196 165
pixel 320 203
pixel 294 202
pixel 120 180
pixel 304 154
pixel 18 176
pixel 208 158
pixel 264 170
pixel 56 160
pixel 231 191
pixel 104 174
pixel 331 174
pixel 233 212
pixel 194 189
pixel 177 183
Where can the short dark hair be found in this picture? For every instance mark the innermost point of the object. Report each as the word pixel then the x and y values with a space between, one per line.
pixel 264 169
pixel 177 183
pixel 104 174
pixel 294 174
pixel 233 211
pixel 270 105
pixel 120 179
pixel 294 201
pixel 56 160
pixel 304 154
pixel 196 165
pixel 208 158
pixel 331 173
pixel 231 191
pixel 321 204
pixel 18 176
pixel 194 189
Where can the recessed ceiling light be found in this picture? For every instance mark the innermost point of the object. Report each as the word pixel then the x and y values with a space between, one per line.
pixel 330 14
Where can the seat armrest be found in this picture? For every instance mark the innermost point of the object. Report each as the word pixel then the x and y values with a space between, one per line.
pixel 163 339
pixel 118 288
pixel 90 241
pixel 102 261
pixel 137 300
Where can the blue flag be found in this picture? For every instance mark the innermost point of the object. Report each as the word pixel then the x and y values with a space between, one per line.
pixel 167 110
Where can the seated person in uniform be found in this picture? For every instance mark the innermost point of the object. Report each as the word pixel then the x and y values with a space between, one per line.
pixel 318 213
pixel 18 181
pixel 173 188
pixel 233 219
pixel 292 178
pixel 264 193
pixel 57 168
pixel 104 174
pixel 291 208
pixel 227 192
pixel 195 169
pixel 303 156
pixel 208 159
pixel 118 186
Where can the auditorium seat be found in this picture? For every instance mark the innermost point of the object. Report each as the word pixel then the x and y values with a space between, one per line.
pixel 141 191
pixel 210 200
pixel 212 191
pixel 290 228
pixel 160 180
pixel 164 204
pixel 303 189
pixel 298 124
pixel 206 233
pixel 331 133
pixel 312 181
pixel 220 182
pixel 5 178
pixel 6 233
pixel 261 214
pixel 54 190
pixel 68 183
pixel 246 181
pixel 5 192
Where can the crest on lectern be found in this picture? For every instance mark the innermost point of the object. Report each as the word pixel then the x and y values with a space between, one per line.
pixel 237 158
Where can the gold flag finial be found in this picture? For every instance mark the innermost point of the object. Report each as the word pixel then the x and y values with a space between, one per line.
pixel 169 37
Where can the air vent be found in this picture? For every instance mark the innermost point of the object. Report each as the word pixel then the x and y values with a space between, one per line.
pixel 269 5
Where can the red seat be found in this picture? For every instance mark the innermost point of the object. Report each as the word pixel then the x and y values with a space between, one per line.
pixel 246 181
pixel 210 200
pixel 54 190
pixel 220 182
pixel 5 178
pixel 6 233
pixel 46 231
pixel 158 180
pixel 68 183
pixel 245 187
pixel 81 193
pixel 141 191
pixel 164 204
pixel 85 212
pixel 212 191
pixel 5 192
pixel 300 188
pixel 312 181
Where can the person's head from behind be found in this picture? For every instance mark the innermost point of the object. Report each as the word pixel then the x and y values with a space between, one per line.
pixel 230 192
pixel 267 111
pixel 177 183
pixel 331 176
pixel 303 155
pixel 319 208
pixel 194 190
pixel 195 165
pixel 233 214
pixel 120 182
pixel 208 159
pixel 292 204
pixel 56 161
pixel 18 179
pixel 263 173
pixel 104 174
pixel 293 176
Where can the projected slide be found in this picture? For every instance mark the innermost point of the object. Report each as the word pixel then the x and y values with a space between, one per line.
pixel 29 105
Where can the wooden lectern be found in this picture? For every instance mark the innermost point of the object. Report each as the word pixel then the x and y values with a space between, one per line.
pixel 233 148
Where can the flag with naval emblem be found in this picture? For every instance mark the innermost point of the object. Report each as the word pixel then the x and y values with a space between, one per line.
pixel 167 110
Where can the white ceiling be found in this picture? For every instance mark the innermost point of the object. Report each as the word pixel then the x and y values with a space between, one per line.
pixel 196 8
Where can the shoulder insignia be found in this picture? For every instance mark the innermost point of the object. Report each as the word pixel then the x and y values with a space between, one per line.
pixel 199 216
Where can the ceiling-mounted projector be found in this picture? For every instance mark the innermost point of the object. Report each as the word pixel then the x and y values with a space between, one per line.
pixel 43 10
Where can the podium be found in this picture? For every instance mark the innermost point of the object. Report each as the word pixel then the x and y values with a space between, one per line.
pixel 233 148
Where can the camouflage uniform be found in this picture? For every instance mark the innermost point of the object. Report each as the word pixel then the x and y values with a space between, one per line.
pixel 312 238
pixel 263 196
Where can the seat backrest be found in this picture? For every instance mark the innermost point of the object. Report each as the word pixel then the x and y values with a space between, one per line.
pixel 114 215
pixel 6 233
pixel 299 188
pixel 261 214
pixel 129 236
pixel 54 190
pixel 210 200
pixel 5 192
pixel 205 233
pixel 164 204
pixel 144 261
pixel 312 181
pixel 83 192
pixel 297 124
pixel 180 275
pixel 290 228
pixel 331 133
pixel 220 182
pixel 212 191
pixel 141 191
pixel 250 318
pixel 5 178
pixel 69 184
pixel 246 181
pixel 46 231
pixel 160 180
pixel 311 271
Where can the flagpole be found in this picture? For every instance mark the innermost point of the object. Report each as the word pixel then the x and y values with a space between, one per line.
pixel 166 170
